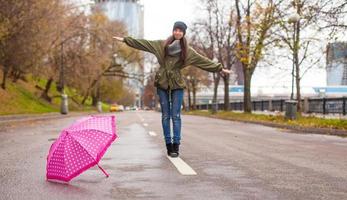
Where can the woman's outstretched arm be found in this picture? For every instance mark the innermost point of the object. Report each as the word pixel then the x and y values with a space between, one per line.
pixel 151 46
pixel 202 62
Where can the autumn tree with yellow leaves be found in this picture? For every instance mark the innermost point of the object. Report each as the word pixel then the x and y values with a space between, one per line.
pixel 254 23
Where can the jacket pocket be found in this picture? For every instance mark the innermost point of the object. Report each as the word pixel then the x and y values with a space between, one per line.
pixel 160 79
pixel 179 80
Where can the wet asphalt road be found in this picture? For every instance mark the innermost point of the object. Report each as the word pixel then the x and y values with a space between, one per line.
pixel 232 160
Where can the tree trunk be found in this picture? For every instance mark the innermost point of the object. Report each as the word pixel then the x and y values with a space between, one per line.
pixel 247 101
pixel 98 96
pixel 44 94
pixel 215 93
pixel 298 91
pixel 85 97
pixel 226 93
pixel 88 91
pixel 16 76
pixel 194 94
pixel 94 99
pixel 59 88
pixel 184 105
pixel 189 99
pixel 4 78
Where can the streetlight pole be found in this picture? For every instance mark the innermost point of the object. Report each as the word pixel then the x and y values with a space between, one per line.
pixel 294 18
pixel 98 103
pixel 293 67
pixel 64 107
pixel 215 100
pixel 61 71
pixel 291 110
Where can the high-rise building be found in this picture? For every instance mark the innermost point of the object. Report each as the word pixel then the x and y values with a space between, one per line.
pixel 337 64
pixel 131 13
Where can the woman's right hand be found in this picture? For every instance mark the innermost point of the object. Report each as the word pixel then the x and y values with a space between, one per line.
pixel 118 38
pixel 224 72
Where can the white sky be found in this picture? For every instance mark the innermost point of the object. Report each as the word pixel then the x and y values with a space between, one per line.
pixel 159 19
pixel 160 15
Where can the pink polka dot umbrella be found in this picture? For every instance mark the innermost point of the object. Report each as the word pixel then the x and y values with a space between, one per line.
pixel 80 147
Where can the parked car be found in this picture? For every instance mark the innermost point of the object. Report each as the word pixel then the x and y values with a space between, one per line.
pixel 134 108
pixel 116 108
pixel 120 108
pixel 113 108
pixel 147 108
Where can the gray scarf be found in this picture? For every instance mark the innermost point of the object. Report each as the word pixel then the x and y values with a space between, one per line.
pixel 174 48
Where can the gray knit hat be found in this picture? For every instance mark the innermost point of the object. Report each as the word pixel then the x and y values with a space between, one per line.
pixel 181 25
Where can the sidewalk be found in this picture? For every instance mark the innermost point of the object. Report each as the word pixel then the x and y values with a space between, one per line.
pixel 327 116
pixel 32 117
pixel 296 128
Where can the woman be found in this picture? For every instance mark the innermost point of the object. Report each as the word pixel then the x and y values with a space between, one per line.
pixel 173 55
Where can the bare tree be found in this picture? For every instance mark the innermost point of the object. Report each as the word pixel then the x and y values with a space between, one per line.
pixel 214 36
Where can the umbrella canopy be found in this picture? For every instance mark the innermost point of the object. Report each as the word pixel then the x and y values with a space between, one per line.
pixel 80 147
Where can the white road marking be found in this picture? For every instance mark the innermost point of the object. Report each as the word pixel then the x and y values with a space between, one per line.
pixel 152 133
pixel 145 124
pixel 140 117
pixel 181 166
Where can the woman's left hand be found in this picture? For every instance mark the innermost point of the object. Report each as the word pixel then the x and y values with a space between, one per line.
pixel 224 72
pixel 118 38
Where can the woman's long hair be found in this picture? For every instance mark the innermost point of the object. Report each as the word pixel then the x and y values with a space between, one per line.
pixel 184 47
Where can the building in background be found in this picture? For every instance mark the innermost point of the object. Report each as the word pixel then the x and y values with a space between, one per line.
pixel 336 64
pixel 131 13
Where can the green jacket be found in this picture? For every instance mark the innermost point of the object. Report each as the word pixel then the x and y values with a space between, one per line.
pixel 169 74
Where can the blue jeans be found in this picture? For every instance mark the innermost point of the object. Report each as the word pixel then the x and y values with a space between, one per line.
pixel 171 111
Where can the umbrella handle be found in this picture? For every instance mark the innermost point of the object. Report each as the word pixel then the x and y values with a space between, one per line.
pixel 103 170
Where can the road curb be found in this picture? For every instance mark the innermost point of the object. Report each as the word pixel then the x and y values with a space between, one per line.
pixel 298 129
